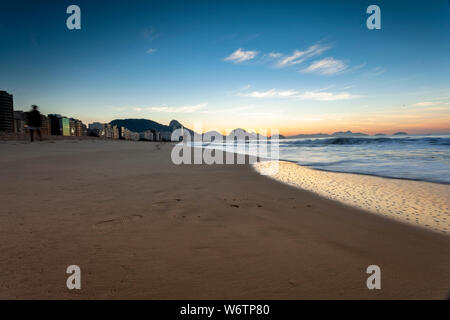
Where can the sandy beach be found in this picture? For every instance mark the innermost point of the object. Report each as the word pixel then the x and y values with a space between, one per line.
pixel 141 227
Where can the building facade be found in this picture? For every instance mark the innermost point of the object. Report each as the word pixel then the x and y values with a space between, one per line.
pixel 60 126
pixel 21 126
pixel 20 122
pixel 55 124
pixel 65 127
pixel 6 112
pixel 108 131
pixel 45 126
pixel 72 127
pixel 147 135
pixel 166 136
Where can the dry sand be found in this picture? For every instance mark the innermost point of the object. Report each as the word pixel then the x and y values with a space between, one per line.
pixel 141 227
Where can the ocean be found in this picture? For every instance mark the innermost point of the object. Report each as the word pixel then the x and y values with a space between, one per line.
pixel 424 158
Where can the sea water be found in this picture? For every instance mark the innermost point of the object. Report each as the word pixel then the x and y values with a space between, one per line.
pixel 415 157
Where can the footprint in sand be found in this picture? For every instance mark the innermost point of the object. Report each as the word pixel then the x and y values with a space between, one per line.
pixel 107 224
pixel 242 203
pixel 166 205
pixel 172 208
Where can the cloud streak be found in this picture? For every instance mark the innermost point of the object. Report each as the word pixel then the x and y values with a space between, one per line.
pixel 270 93
pixel 169 109
pixel 376 72
pixel 424 104
pixel 300 56
pixel 327 96
pixel 241 55
pixel 305 95
pixel 327 66
pixel 150 34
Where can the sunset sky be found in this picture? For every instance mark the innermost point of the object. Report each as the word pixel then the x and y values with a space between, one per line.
pixel 298 66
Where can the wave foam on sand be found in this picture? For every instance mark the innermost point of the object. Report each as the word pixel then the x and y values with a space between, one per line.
pixel 420 203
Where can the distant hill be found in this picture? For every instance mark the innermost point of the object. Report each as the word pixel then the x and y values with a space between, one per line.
pixel 174 124
pixel 349 134
pixel 141 125
pixel 212 136
pixel 324 135
pixel 313 135
pixel 400 134
pixel 242 133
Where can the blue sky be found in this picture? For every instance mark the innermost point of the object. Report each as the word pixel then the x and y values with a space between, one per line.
pixel 294 65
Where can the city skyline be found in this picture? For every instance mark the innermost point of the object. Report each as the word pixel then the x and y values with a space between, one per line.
pixel 297 67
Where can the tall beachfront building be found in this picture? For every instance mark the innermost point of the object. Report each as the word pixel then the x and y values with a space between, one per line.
pixel 6 112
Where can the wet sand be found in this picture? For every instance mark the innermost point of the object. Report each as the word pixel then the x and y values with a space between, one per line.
pixel 419 203
pixel 140 227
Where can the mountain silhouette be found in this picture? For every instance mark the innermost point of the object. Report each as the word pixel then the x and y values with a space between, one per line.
pixel 140 125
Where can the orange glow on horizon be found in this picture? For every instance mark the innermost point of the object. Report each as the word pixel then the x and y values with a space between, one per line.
pixel 389 128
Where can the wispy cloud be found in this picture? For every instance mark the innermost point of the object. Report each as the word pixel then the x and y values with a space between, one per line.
pixel 327 66
pixel 287 93
pixel 327 96
pixel 443 108
pixel 151 50
pixel 270 93
pixel 300 56
pixel 169 109
pixel 275 55
pixel 376 71
pixel 293 59
pixel 234 110
pixel 150 34
pixel 260 94
pixel 424 104
pixel 241 55
pixel 306 95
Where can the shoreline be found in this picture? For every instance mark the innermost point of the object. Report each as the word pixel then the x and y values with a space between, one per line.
pixel 141 227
